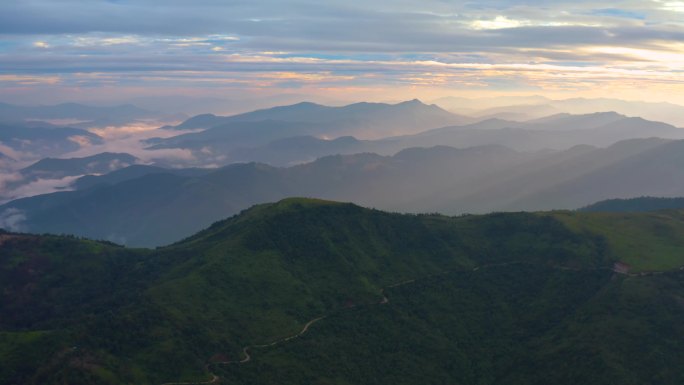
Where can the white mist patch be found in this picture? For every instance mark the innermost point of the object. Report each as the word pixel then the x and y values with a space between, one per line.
pixel 9 151
pixel 80 140
pixel 58 122
pixel 7 178
pixel 143 130
pixel 12 219
pixel 39 187
pixel 117 164
pixel 19 159
pixel 130 139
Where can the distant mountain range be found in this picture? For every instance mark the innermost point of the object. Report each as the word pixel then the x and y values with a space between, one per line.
pixel 530 107
pixel 54 168
pixel 559 132
pixel 140 209
pixel 33 138
pixel 50 174
pixel 251 136
pixel 492 165
pixel 366 120
pixel 282 143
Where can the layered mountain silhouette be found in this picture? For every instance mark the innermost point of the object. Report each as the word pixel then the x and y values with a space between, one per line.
pixel 50 174
pixel 282 143
pixel 55 168
pixel 44 139
pixel 303 132
pixel 556 132
pixel 138 206
pixel 531 107
pixel 361 119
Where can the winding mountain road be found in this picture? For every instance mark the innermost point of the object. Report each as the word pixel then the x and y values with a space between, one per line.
pixel 385 300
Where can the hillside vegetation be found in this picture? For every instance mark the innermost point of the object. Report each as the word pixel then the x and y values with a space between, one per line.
pixel 513 298
pixel 640 204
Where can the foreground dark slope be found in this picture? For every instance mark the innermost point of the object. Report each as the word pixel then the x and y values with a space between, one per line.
pixel 504 298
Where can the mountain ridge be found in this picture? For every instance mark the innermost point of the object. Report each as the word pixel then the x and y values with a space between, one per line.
pixel 442 179
pixel 265 274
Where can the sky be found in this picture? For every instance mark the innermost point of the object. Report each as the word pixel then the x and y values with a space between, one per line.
pixel 101 50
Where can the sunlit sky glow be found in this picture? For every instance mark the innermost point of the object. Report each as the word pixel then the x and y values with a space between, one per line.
pixel 80 50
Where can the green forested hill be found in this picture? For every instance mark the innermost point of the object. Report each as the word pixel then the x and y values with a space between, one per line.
pixel 505 298
pixel 640 204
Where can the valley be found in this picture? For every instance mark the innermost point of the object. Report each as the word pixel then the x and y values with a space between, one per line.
pixel 341 192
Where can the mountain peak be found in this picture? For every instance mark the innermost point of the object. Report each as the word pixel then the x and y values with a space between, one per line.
pixel 412 102
pixel 305 104
pixel 260 212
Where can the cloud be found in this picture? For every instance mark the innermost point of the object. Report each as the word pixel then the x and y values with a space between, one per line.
pixel 128 139
pixel 39 187
pixel 69 46
pixel 676 6
pixel 12 79
pixel 12 219
pixel 7 178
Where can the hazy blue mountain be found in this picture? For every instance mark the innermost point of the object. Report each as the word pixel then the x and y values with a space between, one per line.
pixel 133 172
pixel 558 132
pixel 658 111
pixel 285 143
pixel 274 142
pixel 471 106
pixel 566 122
pixel 521 113
pixel 504 190
pixel 288 151
pixel 51 174
pixel 538 107
pixel 442 179
pixel 202 121
pixel 298 149
pixel 56 168
pixel 46 140
pixel 364 120
pixel 658 171
pixel 233 135
pixel 632 205
pixel 383 114
pixel 143 210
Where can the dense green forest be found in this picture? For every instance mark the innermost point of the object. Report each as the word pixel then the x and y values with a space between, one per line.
pixel 640 204
pixel 515 298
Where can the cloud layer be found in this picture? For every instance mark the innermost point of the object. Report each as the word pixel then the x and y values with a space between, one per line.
pixel 82 48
